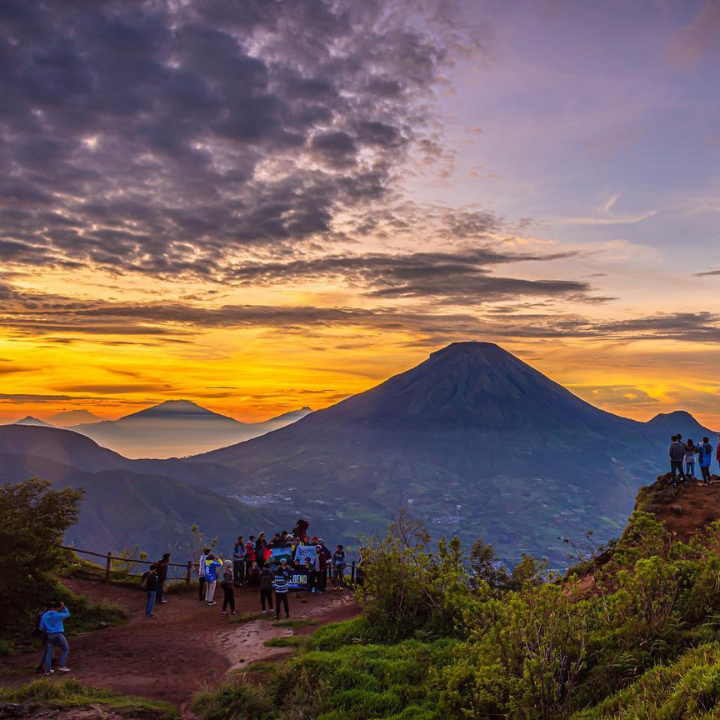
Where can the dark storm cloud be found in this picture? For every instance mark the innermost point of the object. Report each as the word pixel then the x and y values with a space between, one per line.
pixel 460 277
pixel 163 137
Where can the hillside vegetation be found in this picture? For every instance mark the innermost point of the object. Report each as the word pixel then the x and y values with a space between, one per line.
pixel 638 639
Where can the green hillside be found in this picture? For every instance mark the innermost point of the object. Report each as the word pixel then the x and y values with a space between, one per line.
pixel 636 640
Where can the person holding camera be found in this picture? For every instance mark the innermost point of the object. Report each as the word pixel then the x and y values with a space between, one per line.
pixel 52 623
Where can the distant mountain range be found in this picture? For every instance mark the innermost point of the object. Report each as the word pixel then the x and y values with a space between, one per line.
pixel 68 418
pixel 152 503
pixel 175 428
pixel 473 441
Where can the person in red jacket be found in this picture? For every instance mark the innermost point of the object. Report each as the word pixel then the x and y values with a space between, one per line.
pixel 249 555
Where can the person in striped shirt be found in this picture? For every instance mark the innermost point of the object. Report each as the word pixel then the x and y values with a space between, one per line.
pixel 280 584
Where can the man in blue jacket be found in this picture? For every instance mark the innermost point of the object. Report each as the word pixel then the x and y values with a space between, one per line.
pixel 52 623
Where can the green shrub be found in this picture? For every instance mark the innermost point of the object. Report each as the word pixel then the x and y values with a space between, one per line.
pixel 409 588
pixel 33 521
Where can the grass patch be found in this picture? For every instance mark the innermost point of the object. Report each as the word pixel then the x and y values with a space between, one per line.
pixel 71 693
pixel 87 616
pixel 290 641
pixel 292 623
pixel 382 682
pixel 245 617
pixel 259 667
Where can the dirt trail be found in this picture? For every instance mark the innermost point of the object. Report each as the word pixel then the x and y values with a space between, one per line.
pixel 186 648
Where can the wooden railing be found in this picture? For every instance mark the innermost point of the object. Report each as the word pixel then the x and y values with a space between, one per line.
pixel 109 557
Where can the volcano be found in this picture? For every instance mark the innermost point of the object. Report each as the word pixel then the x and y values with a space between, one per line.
pixel 176 428
pixel 474 442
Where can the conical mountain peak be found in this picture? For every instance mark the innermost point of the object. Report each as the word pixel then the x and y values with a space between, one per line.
pixel 472 385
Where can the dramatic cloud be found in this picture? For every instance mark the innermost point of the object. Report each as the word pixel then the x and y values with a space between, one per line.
pixel 455 277
pixel 167 137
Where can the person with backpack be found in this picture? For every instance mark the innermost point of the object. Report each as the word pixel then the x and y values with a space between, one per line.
pixel 52 622
pixel 281 582
pixel 201 574
pixel 338 567
pixel 152 582
pixel 266 589
pixel 39 633
pixel 677 455
pixel 211 572
pixel 228 588
pixel 162 571
pixel 705 458
pixel 690 451
pixel 239 553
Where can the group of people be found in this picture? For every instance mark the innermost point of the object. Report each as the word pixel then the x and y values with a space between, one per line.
pixel 685 453
pixel 271 566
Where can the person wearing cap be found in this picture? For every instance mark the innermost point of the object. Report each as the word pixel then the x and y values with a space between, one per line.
pixel 211 572
pixel 228 588
pixel 281 583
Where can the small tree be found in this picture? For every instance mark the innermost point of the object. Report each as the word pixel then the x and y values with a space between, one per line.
pixel 408 587
pixel 33 521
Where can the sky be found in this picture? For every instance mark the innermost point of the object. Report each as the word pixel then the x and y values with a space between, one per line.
pixel 260 205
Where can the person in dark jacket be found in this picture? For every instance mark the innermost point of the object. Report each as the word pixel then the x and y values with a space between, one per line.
pixel 152 582
pixel 228 587
pixel 705 460
pixel 266 589
pixel 162 572
pixel 239 558
pixel 281 582
pixel 300 529
pixel 201 574
pixel 677 455
pixel 309 570
pixel 260 546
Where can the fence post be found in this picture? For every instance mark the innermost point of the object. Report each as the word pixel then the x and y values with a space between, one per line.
pixel 352 572
pixel 107 567
pixel 187 576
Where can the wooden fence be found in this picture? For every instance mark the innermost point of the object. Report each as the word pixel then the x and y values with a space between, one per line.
pixel 187 568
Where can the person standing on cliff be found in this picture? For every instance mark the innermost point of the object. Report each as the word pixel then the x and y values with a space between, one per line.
pixel 705 459
pixel 677 455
